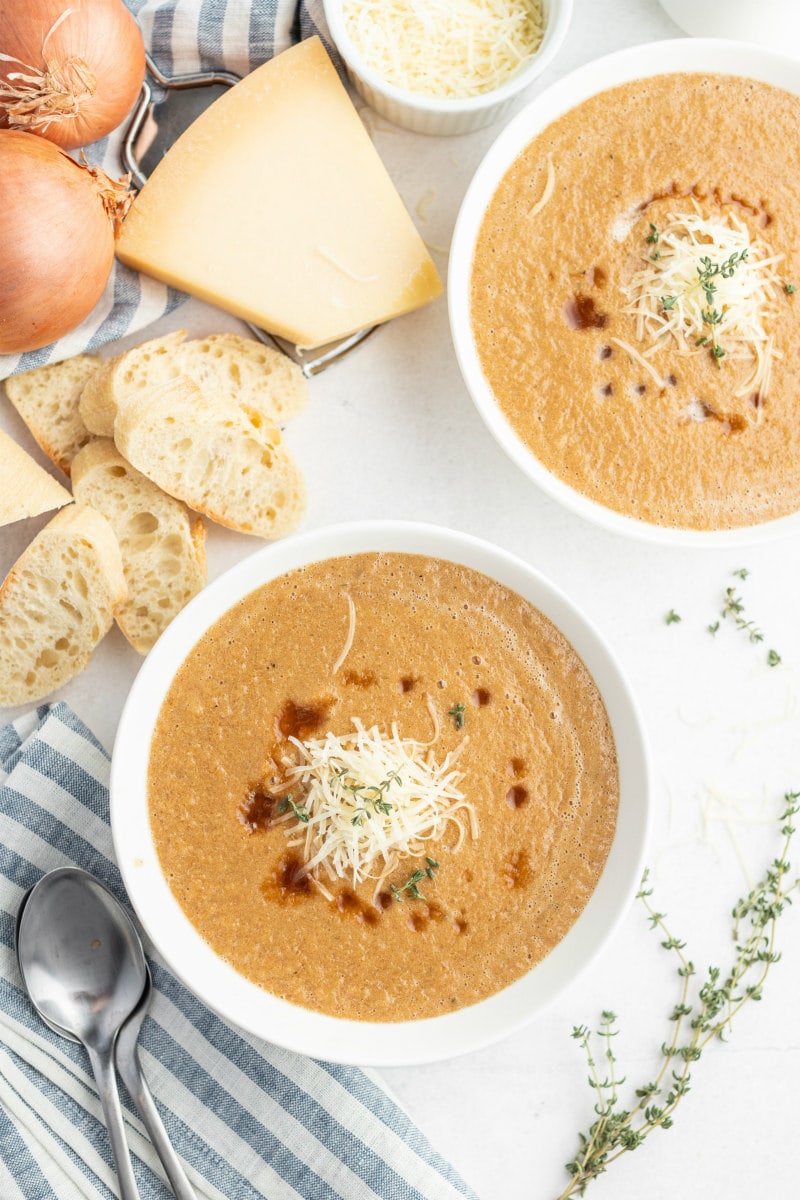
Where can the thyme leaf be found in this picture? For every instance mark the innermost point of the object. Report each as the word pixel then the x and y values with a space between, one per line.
pixel 370 797
pixel 416 877
pixel 457 713
pixel 299 810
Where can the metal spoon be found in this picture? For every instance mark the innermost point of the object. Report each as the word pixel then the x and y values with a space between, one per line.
pixel 83 966
pixel 130 1068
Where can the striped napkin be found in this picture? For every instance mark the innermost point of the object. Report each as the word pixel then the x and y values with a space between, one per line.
pixel 249 1120
pixel 182 36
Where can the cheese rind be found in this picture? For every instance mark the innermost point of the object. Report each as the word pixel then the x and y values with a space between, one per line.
pixel 275 206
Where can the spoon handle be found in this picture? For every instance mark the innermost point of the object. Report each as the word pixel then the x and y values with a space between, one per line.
pixel 130 1069
pixel 102 1065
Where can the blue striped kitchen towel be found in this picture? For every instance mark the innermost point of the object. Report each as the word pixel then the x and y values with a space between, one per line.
pixel 183 37
pixel 249 1120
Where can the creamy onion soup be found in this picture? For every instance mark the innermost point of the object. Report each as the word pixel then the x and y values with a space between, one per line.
pixel 383 786
pixel 633 299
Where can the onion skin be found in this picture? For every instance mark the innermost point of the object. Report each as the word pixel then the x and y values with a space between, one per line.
pixel 102 35
pixel 56 242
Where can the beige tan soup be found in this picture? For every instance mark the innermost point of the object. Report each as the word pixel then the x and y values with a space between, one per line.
pixel 458 663
pixel 696 425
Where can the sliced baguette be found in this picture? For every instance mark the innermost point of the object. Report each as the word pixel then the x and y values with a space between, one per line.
pixel 267 385
pixel 27 489
pixel 56 603
pixel 210 455
pixel 262 381
pixel 47 399
pixel 119 377
pixel 162 543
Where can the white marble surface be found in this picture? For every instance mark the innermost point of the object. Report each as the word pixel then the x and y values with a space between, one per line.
pixel 392 433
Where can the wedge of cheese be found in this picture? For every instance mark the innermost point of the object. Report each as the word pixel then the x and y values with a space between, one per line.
pixel 275 206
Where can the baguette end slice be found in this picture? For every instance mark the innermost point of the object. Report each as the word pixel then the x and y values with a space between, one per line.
pixel 47 398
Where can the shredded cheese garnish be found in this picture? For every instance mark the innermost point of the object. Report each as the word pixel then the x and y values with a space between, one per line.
pixel 351 633
pixel 670 304
pixel 368 801
pixel 550 183
pixel 447 48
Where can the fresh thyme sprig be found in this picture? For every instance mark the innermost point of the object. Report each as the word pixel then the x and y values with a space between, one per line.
pixel 414 878
pixel 707 272
pixel 457 713
pixel 712 1010
pixel 652 240
pixel 370 797
pixel 299 810
pixel 733 610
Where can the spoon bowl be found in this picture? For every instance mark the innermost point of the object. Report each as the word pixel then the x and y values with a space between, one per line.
pixel 82 963
pixel 80 956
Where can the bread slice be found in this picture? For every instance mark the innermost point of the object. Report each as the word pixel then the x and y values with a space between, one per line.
pixel 262 381
pixel 209 454
pixel 267 385
pixel 47 400
pixel 27 489
pixel 127 373
pixel 57 602
pixel 162 543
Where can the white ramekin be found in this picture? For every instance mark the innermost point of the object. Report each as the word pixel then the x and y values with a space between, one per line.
pixel 244 1003
pixel 637 62
pixel 427 114
pixel 774 23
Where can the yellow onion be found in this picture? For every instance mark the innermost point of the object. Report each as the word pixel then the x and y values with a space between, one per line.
pixel 70 70
pixel 57 231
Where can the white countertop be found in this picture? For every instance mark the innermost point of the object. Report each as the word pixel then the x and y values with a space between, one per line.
pixel 391 432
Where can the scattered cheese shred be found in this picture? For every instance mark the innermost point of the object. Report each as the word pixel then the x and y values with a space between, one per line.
pixel 638 358
pixel 745 298
pixel 367 801
pixel 446 48
pixel 351 633
pixel 550 183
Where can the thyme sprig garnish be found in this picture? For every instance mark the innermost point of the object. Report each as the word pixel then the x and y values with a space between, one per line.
pixel 415 878
pixel 370 797
pixel 652 240
pixel 733 610
pixel 299 810
pixel 707 272
pixel 701 1014
pixel 457 713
